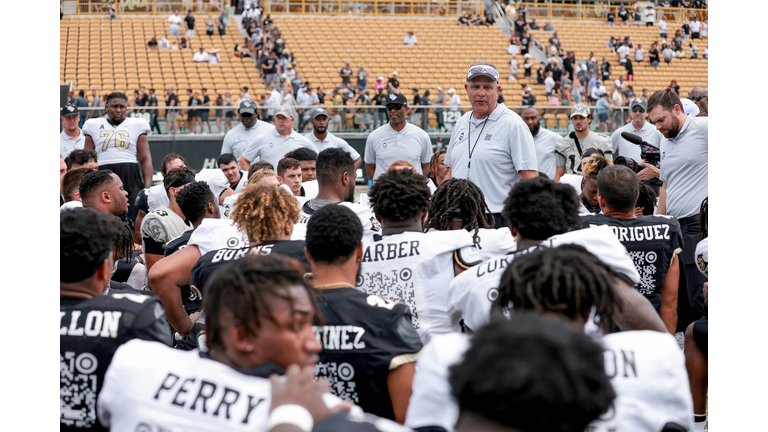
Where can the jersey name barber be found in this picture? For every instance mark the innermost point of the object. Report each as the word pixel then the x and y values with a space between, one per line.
pixel 393 251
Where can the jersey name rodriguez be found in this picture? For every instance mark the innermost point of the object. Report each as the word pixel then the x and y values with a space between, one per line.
pixel 116 143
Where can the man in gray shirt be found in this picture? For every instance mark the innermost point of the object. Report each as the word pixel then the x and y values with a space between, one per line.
pixel 440 100
pixel 95 103
pixel 685 176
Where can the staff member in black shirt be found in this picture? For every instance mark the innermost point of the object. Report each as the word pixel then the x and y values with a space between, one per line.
pixel 369 344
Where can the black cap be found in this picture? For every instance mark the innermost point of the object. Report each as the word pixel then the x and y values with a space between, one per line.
pixel 397 98
pixel 69 110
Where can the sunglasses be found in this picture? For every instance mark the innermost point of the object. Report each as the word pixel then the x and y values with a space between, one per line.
pixel 246 115
pixel 696 98
pixel 395 107
pixel 483 70
pixel 640 110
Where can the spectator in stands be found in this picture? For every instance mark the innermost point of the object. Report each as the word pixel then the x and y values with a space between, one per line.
pixel 598 91
pixel 639 53
pixel 513 71
pixel 509 10
pixel 271 70
pixel 425 111
pixel 380 84
pixel 668 54
pixel 566 97
pixel 520 26
pixel 548 26
pixel 528 98
pixel 662 25
pixel 638 14
pixel 213 56
pixel 221 23
pixel 673 85
pixel 410 39
pixel 678 40
pixel 568 62
pixel 513 49
pixel 527 66
pixel 393 85
pixel 454 101
pixel 653 55
pixel 489 21
pixel 201 56
pixel 554 95
pixel 464 19
pixel 525 42
pixel 205 101
pixel 415 112
pixel 184 44
pixel 554 40
pixel 346 74
pixel 152 44
pixel 189 24
pixel 610 17
pixel 164 43
pixel 695 28
pixel 210 26
pixel 602 112
pixel 549 84
pixel 112 10
pixel 623 14
pixel 686 30
pixel 82 102
pixel 440 100
pixel 95 103
pixel 362 78
pixel 532 25
pixel 171 113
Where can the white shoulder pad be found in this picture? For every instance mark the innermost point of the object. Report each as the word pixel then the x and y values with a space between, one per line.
pixel 469 256
pixel 216 180
pixel 601 242
pixel 215 234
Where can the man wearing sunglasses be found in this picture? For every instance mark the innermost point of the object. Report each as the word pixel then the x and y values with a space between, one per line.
pixel 241 136
pixel 700 96
pixel 490 145
pixel 397 140
pixel 640 127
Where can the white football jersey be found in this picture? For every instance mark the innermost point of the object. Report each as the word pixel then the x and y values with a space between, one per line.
pixel 229 206
pixel 493 241
pixel 647 371
pixel 216 180
pixel 472 293
pixel 157 196
pixel 702 256
pixel 371 226
pixel 215 234
pixel 414 269
pixel 242 183
pixel 431 403
pixel 116 144
pixel 183 390
pixel 161 226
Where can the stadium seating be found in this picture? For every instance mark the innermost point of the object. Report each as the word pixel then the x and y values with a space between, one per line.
pixel 103 56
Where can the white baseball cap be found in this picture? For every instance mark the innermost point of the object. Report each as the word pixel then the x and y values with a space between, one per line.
pixel 690 107
pixel 451 90
pixel 394 73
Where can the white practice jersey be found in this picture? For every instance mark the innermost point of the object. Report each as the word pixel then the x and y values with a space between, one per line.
pixel 472 293
pixel 702 256
pixel 567 154
pixel 371 226
pixel 215 234
pixel 228 206
pixel 183 390
pixel 493 241
pixel 647 371
pixel 242 183
pixel 573 180
pixel 159 227
pixel 157 196
pixel 116 144
pixel 216 180
pixel 414 269
pixel 431 403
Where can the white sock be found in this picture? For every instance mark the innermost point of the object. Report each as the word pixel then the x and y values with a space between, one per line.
pixel 699 421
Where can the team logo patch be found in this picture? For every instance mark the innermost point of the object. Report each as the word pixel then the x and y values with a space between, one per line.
pixel 271 145
pixel 461 137
pixel 101 127
pixel 392 96
pixel 488 137
pixel 493 294
pixel 375 224
pixel 70 108
pixel 65 149
pixel 384 145
pixel 702 264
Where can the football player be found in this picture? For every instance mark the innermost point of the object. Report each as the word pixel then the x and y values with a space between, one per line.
pixel 121 144
pixel 103 191
pixel 93 324
pixel 652 241
pixel 165 223
pixel 569 149
pixel 697 334
pixel 149 199
pixel 228 165
pixel 369 343
pixel 588 202
pixel 259 321
pixel 408 265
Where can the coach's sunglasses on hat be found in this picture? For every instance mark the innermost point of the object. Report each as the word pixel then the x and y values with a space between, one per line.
pixel 697 97
pixel 482 70
pixel 395 107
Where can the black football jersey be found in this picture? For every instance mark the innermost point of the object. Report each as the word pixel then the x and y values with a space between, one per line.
pixel 192 302
pixel 652 241
pixel 90 331
pixel 142 201
pixel 364 337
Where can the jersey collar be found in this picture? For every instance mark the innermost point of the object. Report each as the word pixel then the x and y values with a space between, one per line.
pixel 263 370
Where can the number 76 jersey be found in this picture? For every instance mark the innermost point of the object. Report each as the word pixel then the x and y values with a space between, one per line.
pixel 116 143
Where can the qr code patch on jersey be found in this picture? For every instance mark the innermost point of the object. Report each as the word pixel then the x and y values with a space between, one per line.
pixel 394 284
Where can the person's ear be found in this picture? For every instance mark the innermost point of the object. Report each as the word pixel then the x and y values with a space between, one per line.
pixel 345 179
pixel 359 252
pixel 239 339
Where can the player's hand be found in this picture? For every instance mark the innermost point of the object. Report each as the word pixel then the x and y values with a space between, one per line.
pixel 137 247
pixel 194 316
pixel 648 172
pixel 299 387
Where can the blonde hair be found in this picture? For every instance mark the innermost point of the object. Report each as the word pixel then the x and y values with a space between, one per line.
pixel 401 164
pixel 265 212
pixel 595 165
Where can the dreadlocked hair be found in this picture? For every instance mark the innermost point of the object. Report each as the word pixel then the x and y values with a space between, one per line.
pixel 242 292
pixel 124 243
pixel 265 212
pixel 433 163
pixel 704 219
pixel 567 280
pixel 399 195
pixel 647 199
pixel 595 164
pixel 457 197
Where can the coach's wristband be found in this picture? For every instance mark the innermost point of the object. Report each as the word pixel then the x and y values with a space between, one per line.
pixel 293 414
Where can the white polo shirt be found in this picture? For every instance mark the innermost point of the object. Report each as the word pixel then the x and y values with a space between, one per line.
pixel 545 141
pixel 240 137
pixel 386 145
pixel 332 141
pixel 502 147
pixel 200 56
pixel 454 102
pixel 622 147
pixel 67 143
pixel 695 26
pixel 175 21
pixel 685 167
pixel 271 146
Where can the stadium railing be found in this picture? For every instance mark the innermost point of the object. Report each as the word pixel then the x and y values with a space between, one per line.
pixel 554 118
pixel 90 7
pixel 559 11
pixel 375 7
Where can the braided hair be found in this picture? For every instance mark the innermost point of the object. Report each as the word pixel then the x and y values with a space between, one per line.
pixel 454 198
pixel 124 243
pixel 567 280
pixel 704 218
pixel 399 195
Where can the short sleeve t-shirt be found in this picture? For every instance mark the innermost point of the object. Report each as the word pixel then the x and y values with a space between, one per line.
pixel 346 79
pixel 500 147
pixel 685 167
pixel 385 146
pixel 190 20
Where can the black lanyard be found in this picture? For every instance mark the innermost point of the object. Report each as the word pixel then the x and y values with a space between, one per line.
pixel 471 151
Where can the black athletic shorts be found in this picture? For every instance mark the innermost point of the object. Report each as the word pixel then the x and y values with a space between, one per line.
pixel 700 334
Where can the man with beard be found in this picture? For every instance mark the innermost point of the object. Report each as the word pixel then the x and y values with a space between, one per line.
pixel 244 134
pixel 336 177
pixel 322 139
pixel 570 149
pixel 121 144
pixel 640 127
pixel 103 191
pixel 684 173
pixel 544 140
pixel 700 96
